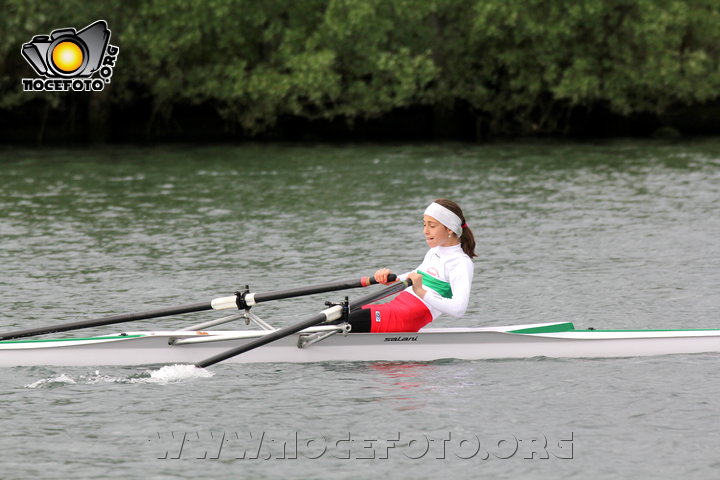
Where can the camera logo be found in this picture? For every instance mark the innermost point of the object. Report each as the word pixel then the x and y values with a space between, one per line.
pixel 68 59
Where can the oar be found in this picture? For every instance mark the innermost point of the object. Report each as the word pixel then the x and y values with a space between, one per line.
pixel 248 299
pixel 329 314
pixel 241 300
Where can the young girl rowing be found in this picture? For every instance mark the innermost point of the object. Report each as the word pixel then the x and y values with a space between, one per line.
pixel 441 284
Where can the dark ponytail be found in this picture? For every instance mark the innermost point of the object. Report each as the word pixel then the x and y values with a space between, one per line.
pixel 467 239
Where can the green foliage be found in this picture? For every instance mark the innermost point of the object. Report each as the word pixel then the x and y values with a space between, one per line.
pixel 631 55
pixel 520 64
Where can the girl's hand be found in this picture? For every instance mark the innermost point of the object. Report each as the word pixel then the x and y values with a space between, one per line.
pixel 381 276
pixel 417 284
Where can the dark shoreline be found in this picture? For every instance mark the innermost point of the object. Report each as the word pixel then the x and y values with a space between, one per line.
pixel 33 125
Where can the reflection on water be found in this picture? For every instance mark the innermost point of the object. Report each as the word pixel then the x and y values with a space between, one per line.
pixel 402 375
pixel 403 385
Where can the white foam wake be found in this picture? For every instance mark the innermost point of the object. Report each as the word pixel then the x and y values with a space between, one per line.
pixel 163 375
pixel 175 373
pixel 55 381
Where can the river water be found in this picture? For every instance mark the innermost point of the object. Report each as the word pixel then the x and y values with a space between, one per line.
pixel 621 234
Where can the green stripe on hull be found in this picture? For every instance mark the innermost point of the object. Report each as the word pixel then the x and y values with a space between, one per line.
pixel 69 339
pixel 655 330
pixel 569 327
pixel 558 327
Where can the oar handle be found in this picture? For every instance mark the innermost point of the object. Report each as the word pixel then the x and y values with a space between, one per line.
pixel 367 281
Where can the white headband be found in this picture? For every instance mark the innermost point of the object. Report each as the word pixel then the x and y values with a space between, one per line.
pixel 445 216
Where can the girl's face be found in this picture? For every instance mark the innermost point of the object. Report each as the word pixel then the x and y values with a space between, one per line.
pixel 437 234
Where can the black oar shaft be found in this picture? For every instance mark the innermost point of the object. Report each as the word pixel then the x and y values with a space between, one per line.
pixel 127 317
pixel 270 337
pixel 322 288
pixel 385 292
pixel 310 322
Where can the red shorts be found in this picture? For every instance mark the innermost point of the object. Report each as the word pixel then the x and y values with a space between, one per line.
pixel 405 313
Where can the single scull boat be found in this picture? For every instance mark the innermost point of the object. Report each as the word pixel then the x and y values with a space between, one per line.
pixel 333 343
pixel 325 337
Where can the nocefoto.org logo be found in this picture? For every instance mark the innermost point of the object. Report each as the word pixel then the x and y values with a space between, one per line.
pixel 67 59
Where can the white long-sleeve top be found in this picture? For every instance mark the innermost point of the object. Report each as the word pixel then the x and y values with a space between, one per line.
pixel 448 291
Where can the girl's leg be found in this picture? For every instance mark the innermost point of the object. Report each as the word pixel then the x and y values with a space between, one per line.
pixel 359 321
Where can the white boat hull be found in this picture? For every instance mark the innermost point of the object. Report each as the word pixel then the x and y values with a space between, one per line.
pixel 522 341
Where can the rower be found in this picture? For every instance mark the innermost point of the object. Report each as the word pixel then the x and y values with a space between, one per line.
pixel 440 284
